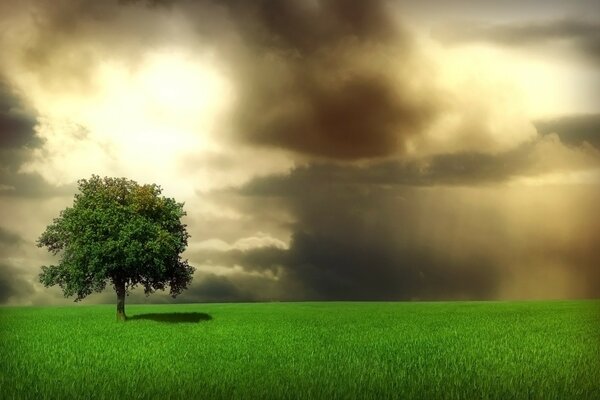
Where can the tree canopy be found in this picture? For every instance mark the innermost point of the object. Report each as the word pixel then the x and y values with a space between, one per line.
pixel 119 232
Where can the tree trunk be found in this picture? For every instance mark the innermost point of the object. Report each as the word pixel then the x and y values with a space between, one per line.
pixel 120 288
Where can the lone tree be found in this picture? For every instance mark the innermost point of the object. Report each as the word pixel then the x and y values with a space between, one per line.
pixel 120 232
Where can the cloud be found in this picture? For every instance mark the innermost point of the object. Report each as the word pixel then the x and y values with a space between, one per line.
pixel 260 253
pixel 216 288
pixel 11 244
pixel 12 284
pixel 448 169
pixel 543 155
pixel 329 79
pixel 16 184
pixel 64 41
pixel 573 129
pixel 236 286
pixel 582 34
pixel 245 243
pixel 17 128
pixel 326 79
pixel 16 122
pixel 9 238
pixel 265 258
pixel 18 141
pixel 362 117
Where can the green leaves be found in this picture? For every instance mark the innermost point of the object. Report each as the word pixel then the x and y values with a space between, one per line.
pixel 117 231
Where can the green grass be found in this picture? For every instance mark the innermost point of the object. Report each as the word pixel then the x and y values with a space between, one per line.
pixel 468 350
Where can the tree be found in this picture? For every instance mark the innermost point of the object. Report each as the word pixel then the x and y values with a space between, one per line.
pixel 120 232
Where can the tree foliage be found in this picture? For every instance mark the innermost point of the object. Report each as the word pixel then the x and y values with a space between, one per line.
pixel 117 232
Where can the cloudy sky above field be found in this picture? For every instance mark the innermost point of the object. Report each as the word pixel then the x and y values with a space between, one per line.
pixel 325 149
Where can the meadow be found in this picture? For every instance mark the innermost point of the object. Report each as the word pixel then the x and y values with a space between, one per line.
pixel 450 350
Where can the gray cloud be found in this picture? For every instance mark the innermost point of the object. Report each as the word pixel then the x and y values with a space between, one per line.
pixel 32 185
pixel 17 141
pixel 235 287
pixel 508 9
pixel 544 154
pixel 17 135
pixel 446 169
pixel 24 184
pixel 573 130
pixel 256 259
pixel 13 284
pixel 582 34
pixel 211 288
pixel 16 122
pixel 9 238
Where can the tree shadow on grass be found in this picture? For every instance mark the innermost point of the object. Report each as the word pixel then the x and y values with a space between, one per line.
pixel 173 318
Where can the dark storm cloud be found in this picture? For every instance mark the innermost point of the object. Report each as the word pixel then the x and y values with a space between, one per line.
pixel 583 34
pixel 13 284
pixel 17 141
pixel 573 130
pixel 356 239
pixel 16 122
pixel 340 265
pixel 361 242
pixel 232 287
pixel 12 280
pixel 357 231
pixel 307 86
pixel 402 230
pixel 361 118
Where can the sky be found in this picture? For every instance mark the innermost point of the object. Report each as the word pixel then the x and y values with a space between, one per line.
pixel 324 149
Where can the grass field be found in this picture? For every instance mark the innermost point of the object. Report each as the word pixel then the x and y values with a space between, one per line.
pixel 465 350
